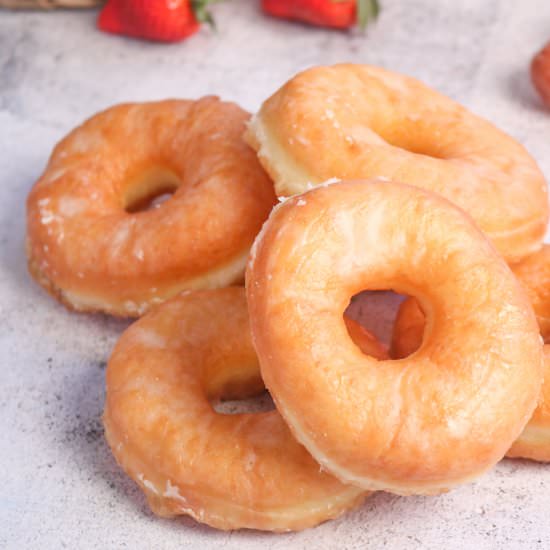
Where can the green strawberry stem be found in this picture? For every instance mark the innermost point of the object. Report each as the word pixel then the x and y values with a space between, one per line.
pixel 366 11
pixel 200 9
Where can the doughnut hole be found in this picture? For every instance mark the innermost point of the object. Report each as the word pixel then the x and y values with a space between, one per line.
pixel 415 426
pixel 408 329
pixel 251 405
pixel 149 189
pixel 375 312
pixel 415 136
pixel 237 389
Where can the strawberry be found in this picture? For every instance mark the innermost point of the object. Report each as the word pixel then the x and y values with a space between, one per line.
pixel 540 74
pixel 340 14
pixel 160 20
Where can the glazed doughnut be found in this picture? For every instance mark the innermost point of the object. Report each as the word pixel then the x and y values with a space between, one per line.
pixel 414 426
pixel 356 121
pixel 534 274
pixel 86 246
pixel 229 471
pixel 534 441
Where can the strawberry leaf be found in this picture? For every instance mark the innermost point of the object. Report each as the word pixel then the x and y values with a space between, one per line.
pixel 200 9
pixel 367 10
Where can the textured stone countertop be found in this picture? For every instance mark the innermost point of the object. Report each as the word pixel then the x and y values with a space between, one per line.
pixel 60 487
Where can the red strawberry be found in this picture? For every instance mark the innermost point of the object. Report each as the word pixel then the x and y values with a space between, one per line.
pixel 161 20
pixel 340 14
pixel 540 74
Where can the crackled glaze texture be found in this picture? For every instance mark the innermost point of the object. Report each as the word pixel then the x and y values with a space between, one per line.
pixel 417 425
pixel 359 121
pixel 227 470
pixel 534 275
pixel 88 250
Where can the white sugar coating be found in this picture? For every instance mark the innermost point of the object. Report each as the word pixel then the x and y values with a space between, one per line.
pixel 130 307
pixel 148 484
pixel 330 181
pixel 138 253
pixel 311 187
pixel 282 198
pixel 46 214
pixel 301 139
pixel 149 338
pixel 172 491
pixel 69 207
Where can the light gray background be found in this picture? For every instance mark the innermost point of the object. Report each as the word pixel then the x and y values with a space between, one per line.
pixel 59 486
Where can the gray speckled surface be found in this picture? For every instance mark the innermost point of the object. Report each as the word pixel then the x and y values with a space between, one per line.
pixel 60 486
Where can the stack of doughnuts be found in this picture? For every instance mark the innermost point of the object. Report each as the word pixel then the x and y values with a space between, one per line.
pixel 383 184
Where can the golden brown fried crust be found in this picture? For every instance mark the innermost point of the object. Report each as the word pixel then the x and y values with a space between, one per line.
pixel 85 245
pixel 421 424
pixel 357 121
pixel 229 471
